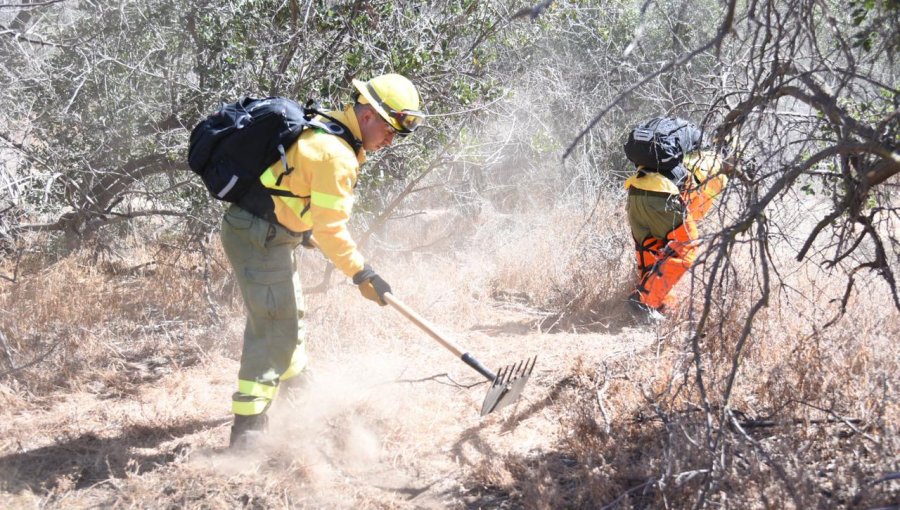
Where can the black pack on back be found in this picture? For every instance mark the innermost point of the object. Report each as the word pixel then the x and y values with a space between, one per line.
pixel 661 143
pixel 231 148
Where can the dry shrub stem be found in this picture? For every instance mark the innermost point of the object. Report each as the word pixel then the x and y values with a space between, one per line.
pixel 716 42
pixel 39 359
pixel 779 469
pixel 7 351
pixel 780 395
pixel 437 378
pixel 207 284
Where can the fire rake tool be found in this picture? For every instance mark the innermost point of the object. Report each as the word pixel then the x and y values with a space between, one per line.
pixel 506 385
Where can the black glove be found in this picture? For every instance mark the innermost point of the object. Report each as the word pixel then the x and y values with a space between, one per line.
pixel 371 286
pixel 306 240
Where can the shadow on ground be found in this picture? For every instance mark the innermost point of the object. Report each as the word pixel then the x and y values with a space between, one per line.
pixel 610 317
pixel 88 459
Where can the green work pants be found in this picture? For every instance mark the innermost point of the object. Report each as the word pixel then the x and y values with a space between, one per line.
pixel 653 214
pixel 265 268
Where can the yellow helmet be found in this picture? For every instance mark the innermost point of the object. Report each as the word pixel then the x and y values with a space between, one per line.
pixel 395 98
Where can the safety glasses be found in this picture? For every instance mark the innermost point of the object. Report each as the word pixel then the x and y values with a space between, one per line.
pixel 408 120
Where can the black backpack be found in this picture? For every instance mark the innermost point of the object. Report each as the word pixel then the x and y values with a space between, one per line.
pixel 661 143
pixel 231 148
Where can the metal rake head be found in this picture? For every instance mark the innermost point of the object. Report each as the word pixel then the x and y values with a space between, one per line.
pixel 507 386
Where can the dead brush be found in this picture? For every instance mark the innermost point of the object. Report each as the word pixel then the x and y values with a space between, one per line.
pixel 809 419
pixel 581 304
pixel 795 406
pixel 573 288
pixel 625 457
pixel 89 319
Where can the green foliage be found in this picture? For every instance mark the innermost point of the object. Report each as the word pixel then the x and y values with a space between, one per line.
pixel 869 18
pixel 128 79
pixel 110 105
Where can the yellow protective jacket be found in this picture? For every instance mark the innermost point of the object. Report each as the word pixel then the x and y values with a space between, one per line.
pixel 325 170
pixel 704 184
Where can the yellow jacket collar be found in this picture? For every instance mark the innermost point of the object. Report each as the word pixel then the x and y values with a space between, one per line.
pixel 347 117
pixel 652 181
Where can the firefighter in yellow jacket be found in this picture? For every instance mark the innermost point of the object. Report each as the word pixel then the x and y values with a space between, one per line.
pixel 261 232
pixel 663 210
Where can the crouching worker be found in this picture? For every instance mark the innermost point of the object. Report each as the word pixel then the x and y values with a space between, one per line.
pixel 673 188
pixel 308 193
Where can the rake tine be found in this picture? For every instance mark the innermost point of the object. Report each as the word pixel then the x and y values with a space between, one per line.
pixel 506 374
pixel 508 384
pixel 530 369
pixel 523 368
pixel 514 373
pixel 501 376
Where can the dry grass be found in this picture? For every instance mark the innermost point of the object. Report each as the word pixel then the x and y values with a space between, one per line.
pixel 815 409
pixel 130 409
pixel 110 325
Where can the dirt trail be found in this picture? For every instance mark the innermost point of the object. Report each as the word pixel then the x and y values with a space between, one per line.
pixel 394 427
pixel 407 431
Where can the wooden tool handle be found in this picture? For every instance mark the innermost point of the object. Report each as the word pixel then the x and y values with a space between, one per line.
pixel 420 321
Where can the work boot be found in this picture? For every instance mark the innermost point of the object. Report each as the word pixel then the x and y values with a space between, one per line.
pixel 247 430
pixel 644 312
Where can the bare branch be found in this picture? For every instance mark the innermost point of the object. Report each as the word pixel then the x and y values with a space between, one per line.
pixel 6 31
pixel 716 41
pixel 33 362
pixel 32 4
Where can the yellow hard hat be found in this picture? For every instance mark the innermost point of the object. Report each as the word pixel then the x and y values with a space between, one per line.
pixel 395 98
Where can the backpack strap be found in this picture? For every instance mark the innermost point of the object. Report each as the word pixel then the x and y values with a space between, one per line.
pixel 312 109
pixel 287 169
pixel 678 175
pixel 337 128
pixel 257 200
pixel 333 127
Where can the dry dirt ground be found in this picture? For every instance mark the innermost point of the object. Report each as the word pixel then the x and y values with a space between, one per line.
pixel 132 409
pixel 388 419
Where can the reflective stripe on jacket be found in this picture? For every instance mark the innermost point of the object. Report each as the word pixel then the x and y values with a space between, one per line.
pixel 324 174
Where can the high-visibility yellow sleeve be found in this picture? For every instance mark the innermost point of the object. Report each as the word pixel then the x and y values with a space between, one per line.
pixel 331 202
pixel 708 182
pixel 324 173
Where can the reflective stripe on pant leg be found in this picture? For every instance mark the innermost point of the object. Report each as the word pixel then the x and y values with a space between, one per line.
pixel 252 398
pixel 679 256
pixel 647 253
pixel 264 266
